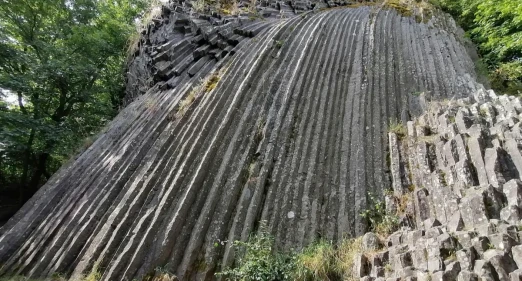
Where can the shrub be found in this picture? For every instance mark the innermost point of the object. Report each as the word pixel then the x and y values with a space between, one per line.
pixel 257 260
pixel 378 220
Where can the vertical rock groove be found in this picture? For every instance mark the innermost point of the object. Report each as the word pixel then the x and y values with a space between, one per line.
pixel 294 133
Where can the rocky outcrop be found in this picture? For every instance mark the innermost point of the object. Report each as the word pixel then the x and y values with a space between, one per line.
pixel 460 163
pixel 232 121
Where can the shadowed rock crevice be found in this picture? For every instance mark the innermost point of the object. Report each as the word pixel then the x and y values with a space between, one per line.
pixel 230 123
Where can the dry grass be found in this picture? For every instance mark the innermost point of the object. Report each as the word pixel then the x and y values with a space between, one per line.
pixel 388 225
pixel 153 12
pixel 225 7
pixel 199 6
pixel 212 81
pixel 252 6
pixel 316 262
pixel 188 100
pixel 160 274
pixel 361 4
pixel 401 6
pixel 346 253
pixel 94 275
pixel 397 128
pixel 204 86
pixel 230 8
pixel 251 169
pixel 325 261
pixel 422 10
pixel 402 203
pixel 133 44
pixel 162 277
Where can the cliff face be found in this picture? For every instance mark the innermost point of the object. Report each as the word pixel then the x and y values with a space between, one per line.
pixel 457 174
pixel 232 121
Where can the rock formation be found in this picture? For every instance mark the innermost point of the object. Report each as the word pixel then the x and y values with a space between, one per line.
pixel 460 167
pixel 281 116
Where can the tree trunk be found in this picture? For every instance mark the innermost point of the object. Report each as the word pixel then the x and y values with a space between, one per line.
pixel 40 170
pixel 25 172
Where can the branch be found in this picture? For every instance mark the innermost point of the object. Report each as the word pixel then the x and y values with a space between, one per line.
pixel 21 104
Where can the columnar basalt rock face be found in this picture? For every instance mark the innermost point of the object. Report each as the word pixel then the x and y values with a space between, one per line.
pixel 289 126
pixel 466 201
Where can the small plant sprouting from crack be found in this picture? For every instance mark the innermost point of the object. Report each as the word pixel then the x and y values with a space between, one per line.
pixel 378 220
pixel 397 128
pixel 279 43
pixel 203 87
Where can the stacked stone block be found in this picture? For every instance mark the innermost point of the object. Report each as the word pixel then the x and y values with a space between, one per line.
pixel 463 159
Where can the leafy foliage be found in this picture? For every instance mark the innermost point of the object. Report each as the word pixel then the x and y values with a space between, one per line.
pixel 378 220
pixel 63 62
pixel 496 27
pixel 258 261
pixel 321 260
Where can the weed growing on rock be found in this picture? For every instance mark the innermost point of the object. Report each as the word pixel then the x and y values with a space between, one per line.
pixel 422 10
pixel 483 113
pixel 346 253
pixel 397 128
pixel 199 5
pixel 94 275
pixel 204 86
pixel 160 274
pixel 278 43
pixel 378 220
pixel 428 139
pixel 187 101
pixel 401 7
pixel 402 202
pixel 230 7
pixel 316 262
pixel 211 83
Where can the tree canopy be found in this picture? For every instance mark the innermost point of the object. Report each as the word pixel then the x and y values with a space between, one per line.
pixel 495 26
pixel 63 60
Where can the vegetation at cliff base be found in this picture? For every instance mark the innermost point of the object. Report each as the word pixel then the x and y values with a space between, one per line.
pixel 61 81
pixel 258 259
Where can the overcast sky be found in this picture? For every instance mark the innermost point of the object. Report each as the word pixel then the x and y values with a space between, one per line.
pixel 8 97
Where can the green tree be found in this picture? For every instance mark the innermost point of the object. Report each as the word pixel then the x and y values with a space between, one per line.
pixel 495 26
pixel 63 59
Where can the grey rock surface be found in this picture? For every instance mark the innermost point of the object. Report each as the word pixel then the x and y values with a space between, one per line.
pixel 370 242
pixel 293 132
pixel 468 216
